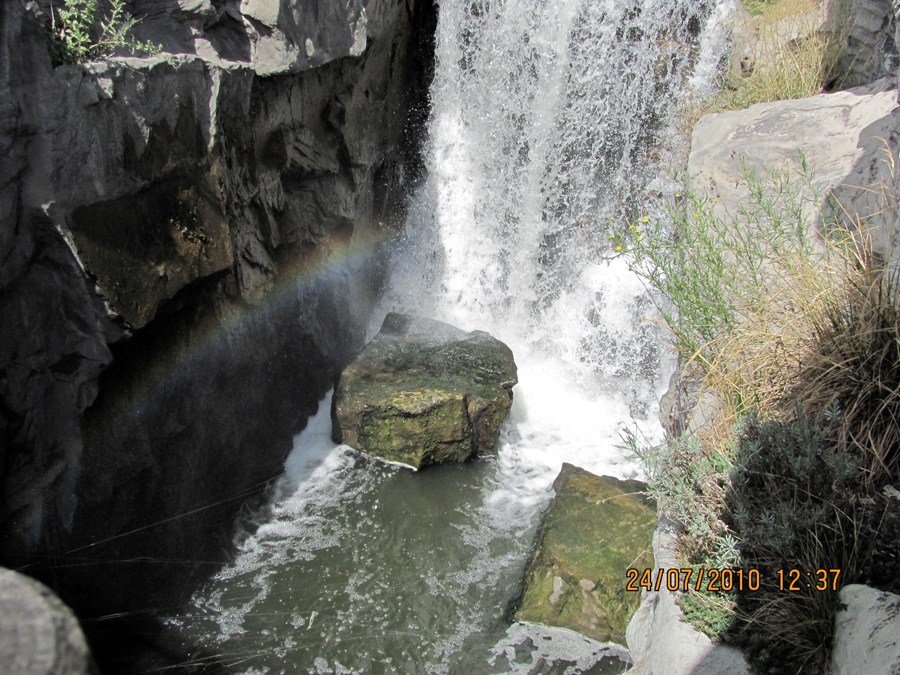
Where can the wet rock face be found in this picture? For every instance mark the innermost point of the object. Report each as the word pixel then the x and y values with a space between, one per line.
pixel 273 36
pixel 597 528
pixel 189 254
pixel 424 392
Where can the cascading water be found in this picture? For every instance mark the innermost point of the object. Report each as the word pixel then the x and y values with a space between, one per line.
pixel 545 117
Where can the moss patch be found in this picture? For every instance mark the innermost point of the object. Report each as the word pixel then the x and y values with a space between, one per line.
pixel 424 392
pixel 596 529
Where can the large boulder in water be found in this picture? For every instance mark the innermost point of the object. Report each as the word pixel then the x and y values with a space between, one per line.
pixel 424 392
pixel 597 528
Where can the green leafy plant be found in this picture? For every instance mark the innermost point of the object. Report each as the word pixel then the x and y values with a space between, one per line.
pixel 81 32
pixel 798 501
pixel 796 332
pixel 689 482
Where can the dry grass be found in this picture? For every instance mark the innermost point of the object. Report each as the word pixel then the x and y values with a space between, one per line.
pixel 853 362
pixel 782 51
pixel 758 361
pixel 769 12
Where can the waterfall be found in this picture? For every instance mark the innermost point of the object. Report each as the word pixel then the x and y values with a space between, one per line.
pixel 546 125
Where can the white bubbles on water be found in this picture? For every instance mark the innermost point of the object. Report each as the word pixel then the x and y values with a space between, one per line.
pixel 544 115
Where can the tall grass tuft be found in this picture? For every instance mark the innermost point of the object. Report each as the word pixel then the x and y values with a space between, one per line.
pixel 853 364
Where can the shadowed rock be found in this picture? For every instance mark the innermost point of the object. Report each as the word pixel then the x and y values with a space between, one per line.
pixel 597 528
pixel 424 392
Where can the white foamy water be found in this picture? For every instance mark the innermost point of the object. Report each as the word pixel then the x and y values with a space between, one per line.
pixel 713 44
pixel 543 130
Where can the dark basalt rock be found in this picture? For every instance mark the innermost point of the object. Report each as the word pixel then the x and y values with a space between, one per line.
pixel 190 251
pixel 424 392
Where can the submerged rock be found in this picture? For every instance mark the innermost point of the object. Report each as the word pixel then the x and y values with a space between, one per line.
pixel 424 392
pixel 597 528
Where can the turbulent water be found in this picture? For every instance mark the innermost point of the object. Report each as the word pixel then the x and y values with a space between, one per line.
pixel 546 118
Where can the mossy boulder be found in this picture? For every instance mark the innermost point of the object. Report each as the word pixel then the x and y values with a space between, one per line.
pixel 597 528
pixel 424 392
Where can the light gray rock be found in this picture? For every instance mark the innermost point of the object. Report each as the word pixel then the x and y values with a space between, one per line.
pixel 687 406
pixel 866 633
pixel 39 635
pixel 661 643
pixel 843 137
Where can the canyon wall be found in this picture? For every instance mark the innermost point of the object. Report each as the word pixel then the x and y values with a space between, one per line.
pixel 191 246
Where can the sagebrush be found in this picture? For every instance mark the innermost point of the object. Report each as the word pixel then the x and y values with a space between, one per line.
pixel 81 31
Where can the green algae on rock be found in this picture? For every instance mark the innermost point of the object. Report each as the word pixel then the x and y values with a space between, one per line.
pixel 597 528
pixel 424 392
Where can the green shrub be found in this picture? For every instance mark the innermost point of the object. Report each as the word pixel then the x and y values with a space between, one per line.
pixel 689 483
pixel 81 32
pixel 799 502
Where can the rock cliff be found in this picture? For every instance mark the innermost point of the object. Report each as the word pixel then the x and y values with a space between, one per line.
pixel 190 248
